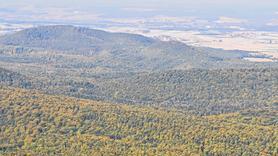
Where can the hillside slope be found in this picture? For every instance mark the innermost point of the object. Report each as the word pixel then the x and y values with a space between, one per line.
pixel 69 38
pixel 10 78
pixel 202 92
pixel 199 91
pixel 37 124
pixel 113 52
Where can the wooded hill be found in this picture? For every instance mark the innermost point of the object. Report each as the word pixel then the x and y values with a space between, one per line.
pixel 68 90
pixel 103 52
pixel 38 124
pixel 201 92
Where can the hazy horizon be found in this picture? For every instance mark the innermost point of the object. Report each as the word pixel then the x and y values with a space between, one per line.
pixel 253 11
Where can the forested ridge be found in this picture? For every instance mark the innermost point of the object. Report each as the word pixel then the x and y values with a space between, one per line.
pixel 198 91
pixel 104 52
pixel 68 90
pixel 34 123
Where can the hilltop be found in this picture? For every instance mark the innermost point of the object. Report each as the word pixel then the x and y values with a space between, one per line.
pixel 115 52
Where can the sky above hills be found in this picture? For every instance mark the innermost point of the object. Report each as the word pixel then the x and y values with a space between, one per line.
pixel 212 15
pixel 209 9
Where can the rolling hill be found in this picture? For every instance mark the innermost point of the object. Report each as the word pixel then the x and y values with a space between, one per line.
pixel 202 92
pixel 37 124
pixel 198 91
pixel 114 52
pixel 68 90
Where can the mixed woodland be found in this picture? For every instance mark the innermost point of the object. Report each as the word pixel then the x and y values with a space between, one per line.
pixel 67 90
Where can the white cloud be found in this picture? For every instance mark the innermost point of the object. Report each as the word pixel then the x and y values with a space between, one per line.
pixel 230 20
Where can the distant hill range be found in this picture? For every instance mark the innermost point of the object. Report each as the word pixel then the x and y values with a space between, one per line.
pixel 181 100
pixel 69 38
pixel 120 51
pixel 133 69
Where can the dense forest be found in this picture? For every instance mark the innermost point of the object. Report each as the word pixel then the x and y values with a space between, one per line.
pixel 197 91
pixel 68 90
pixel 34 123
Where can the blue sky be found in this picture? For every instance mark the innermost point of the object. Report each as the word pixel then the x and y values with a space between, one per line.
pixel 256 10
